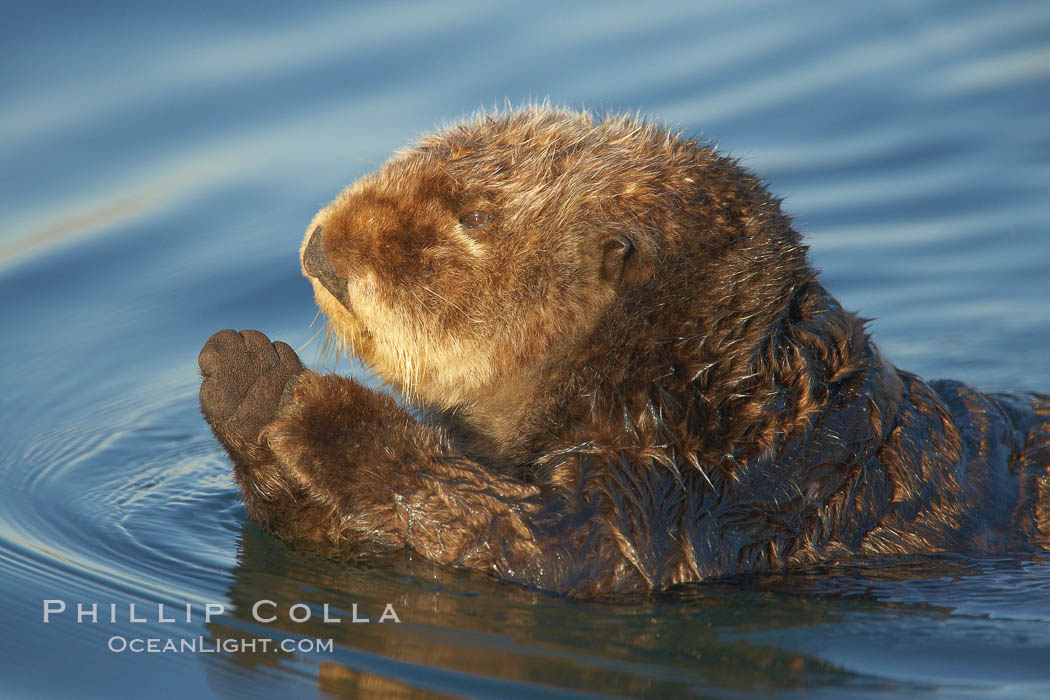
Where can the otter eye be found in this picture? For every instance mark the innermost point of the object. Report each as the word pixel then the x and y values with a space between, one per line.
pixel 475 219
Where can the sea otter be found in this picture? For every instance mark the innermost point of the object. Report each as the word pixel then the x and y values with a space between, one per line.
pixel 619 373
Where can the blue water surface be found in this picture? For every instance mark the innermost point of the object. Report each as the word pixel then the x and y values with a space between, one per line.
pixel 159 165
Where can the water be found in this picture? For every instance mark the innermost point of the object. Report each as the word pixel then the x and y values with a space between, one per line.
pixel 159 166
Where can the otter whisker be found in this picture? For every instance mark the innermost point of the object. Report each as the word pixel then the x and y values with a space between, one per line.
pixel 447 301
pixel 312 338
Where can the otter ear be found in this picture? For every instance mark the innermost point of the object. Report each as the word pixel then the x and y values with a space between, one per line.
pixel 622 263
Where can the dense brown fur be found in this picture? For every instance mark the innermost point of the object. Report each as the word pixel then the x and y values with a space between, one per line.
pixel 627 377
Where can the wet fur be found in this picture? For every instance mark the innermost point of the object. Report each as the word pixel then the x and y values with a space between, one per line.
pixel 630 377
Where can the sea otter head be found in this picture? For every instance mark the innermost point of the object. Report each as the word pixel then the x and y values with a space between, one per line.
pixel 505 245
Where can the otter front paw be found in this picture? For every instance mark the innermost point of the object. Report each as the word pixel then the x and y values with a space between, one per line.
pixel 245 379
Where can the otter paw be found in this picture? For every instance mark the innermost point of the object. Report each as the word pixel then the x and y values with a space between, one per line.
pixel 245 379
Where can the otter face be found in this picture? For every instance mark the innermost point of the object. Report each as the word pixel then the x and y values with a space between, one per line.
pixel 449 272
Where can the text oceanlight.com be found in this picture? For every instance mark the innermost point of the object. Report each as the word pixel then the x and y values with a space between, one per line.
pixel 202 645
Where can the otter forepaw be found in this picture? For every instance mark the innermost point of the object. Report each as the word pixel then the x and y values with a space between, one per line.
pixel 245 379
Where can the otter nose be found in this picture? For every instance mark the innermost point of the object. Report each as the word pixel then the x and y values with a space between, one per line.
pixel 317 265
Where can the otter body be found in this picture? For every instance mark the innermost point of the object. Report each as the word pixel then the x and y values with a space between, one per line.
pixel 625 373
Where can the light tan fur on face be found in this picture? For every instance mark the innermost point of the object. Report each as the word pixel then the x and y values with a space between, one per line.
pixel 472 333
